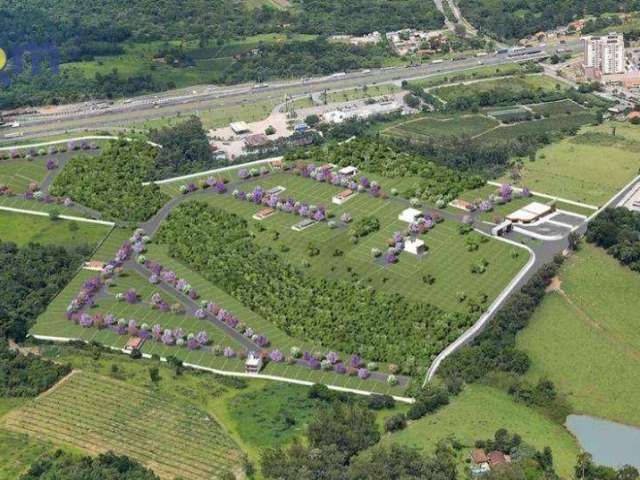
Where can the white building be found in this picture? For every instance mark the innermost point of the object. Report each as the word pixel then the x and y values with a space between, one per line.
pixel 415 246
pixel 410 215
pixel 348 171
pixel 604 54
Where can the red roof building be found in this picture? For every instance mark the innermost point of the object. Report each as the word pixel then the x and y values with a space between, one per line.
pixel 478 456
pixel 497 458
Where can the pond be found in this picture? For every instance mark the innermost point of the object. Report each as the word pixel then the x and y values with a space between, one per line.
pixel 611 444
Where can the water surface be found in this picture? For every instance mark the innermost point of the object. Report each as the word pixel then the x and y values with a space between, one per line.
pixel 610 443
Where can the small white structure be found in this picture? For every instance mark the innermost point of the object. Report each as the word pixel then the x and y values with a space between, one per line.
pixel 410 215
pixel 337 116
pixel 415 246
pixel 349 171
pixel 253 364
pixel 531 213
pixel 239 127
pixel 502 228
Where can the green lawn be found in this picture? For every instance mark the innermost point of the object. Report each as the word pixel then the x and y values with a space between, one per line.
pixel 54 323
pixel 585 168
pixel 423 128
pixel 448 259
pixel 477 413
pixel 470 74
pixel 516 84
pixel 538 127
pixel 586 338
pixel 563 107
pixel 22 229
pixel 216 117
pixel 349 95
pixel 18 173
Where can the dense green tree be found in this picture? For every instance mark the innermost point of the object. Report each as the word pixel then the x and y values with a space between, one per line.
pixel 30 277
pixel 108 466
pixel 185 149
pixel 112 181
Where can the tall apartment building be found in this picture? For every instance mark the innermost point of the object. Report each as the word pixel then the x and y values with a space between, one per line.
pixel 604 54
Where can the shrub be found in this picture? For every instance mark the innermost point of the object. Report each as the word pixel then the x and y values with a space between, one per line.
pixel 395 422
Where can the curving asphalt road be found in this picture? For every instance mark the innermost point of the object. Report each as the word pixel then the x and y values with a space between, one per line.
pixel 541 254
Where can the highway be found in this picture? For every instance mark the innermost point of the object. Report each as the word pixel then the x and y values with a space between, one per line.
pixel 95 116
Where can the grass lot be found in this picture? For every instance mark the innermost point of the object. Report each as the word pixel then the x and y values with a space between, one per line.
pixel 422 128
pixel 562 107
pixel 18 201
pixel 219 116
pixel 53 322
pixel 18 451
pixel 516 84
pixel 17 174
pixel 585 168
pixel 349 95
pixel 585 338
pixel 22 229
pixel 87 412
pixel 272 415
pixel 448 259
pixel 482 127
pixel 470 74
pixel 476 414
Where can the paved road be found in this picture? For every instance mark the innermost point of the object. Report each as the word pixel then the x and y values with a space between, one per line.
pixel 141 109
pixel 543 253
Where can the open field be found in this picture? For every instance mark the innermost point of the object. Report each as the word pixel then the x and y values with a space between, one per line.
pixel 54 323
pixel 539 127
pixel 18 451
pixel 483 127
pixel 515 84
pixel 423 128
pixel 585 337
pixel 447 260
pixel 586 168
pixel 469 74
pixel 86 411
pixel 17 174
pixel 217 117
pixel 349 95
pixel 562 107
pixel 476 414
pixel 22 229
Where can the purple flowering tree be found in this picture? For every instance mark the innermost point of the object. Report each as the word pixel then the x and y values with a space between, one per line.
pixel 276 356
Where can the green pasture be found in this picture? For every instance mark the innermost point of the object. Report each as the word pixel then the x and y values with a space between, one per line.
pixel 587 168
pixel 22 229
pixel 585 337
pixel 18 451
pixel 476 414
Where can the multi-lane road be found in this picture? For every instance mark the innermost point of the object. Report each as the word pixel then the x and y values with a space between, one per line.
pixel 95 116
